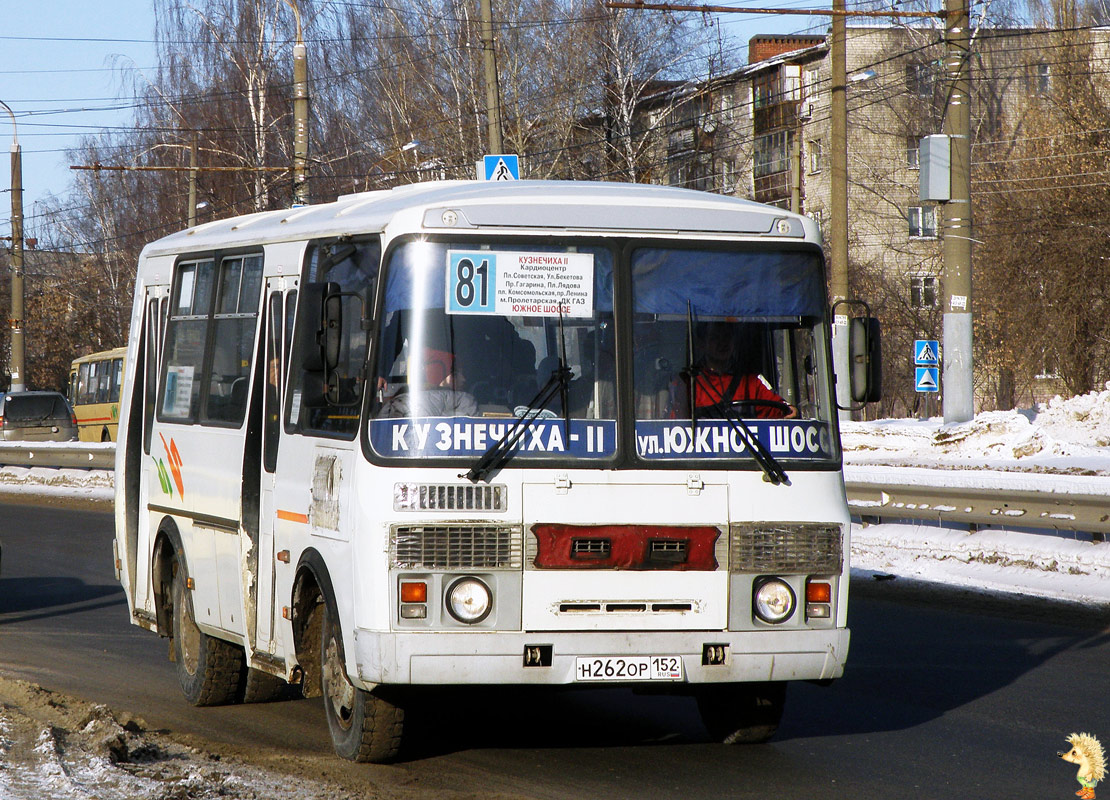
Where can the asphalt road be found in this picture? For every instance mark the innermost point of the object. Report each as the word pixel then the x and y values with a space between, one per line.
pixel 947 695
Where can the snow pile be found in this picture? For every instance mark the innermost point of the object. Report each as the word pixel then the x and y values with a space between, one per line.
pixel 56 746
pixel 96 485
pixel 1069 436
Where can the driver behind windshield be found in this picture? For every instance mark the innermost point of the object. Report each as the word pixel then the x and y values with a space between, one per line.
pixel 725 375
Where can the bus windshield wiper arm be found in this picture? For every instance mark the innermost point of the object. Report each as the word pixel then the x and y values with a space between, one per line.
pixel 767 462
pixel 504 448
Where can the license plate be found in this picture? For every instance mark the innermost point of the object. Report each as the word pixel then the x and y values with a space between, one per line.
pixel 628 668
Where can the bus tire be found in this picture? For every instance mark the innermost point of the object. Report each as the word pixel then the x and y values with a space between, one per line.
pixel 209 670
pixel 364 726
pixel 262 687
pixel 742 713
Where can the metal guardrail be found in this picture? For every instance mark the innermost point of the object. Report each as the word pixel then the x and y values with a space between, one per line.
pixel 1043 510
pixel 58 455
pixel 887 499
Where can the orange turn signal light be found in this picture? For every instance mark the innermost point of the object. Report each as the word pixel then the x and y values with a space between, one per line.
pixel 818 592
pixel 414 592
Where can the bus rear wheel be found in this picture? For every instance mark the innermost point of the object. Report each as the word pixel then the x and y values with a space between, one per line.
pixel 742 713
pixel 364 726
pixel 209 670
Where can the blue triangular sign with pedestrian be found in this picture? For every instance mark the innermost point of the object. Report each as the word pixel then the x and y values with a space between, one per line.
pixel 926 352
pixel 501 168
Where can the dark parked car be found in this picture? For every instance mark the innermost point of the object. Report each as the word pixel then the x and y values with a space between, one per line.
pixel 37 417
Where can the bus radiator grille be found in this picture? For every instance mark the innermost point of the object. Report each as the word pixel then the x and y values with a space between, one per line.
pixel 457 546
pixel 785 548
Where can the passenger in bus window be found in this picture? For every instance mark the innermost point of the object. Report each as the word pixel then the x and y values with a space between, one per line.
pixel 726 375
pixel 435 388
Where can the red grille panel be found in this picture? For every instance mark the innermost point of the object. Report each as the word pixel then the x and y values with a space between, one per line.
pixel 639 547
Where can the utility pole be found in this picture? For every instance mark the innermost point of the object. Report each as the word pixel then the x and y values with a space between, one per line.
pixel 493 93
pixel 838 211
pixel 300 115
pixel 15 324
pixel 191 213
pixel 959 399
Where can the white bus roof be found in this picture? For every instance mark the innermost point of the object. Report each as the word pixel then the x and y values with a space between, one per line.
pixel 445 206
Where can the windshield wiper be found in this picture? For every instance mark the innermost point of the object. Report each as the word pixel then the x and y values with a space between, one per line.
pixel 692 373
pixel 504 448
pixel 767 462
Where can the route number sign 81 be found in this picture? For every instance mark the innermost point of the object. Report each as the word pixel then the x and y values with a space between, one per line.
pixel 471 278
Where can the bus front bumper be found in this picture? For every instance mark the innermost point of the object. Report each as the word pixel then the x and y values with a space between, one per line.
pixel 499 658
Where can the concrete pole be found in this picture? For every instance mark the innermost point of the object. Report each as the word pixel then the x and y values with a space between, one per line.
pixel 191 213
pixel 959 399
pixel 15 323
pixel 17 361
pixel 493 94
pixel 838 213
pixel 300 115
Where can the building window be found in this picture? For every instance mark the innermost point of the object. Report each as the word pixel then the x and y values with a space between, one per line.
pixel 923 222
pixel 920 79
pixel 816 156
pixel 812 82
pixel 726 105
pixel 1044 78
pixel 772 154
pixel 923 291
pixel 913 152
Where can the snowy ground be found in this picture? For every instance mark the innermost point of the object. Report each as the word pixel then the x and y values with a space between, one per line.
pixel 1064 444
pixel 53 746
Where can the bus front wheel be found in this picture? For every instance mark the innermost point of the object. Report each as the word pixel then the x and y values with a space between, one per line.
pixel 742 713
pixel 209 670
pixel 364 726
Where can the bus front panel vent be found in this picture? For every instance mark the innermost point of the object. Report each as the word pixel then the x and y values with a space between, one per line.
pixel 449 497
pixel 456 546
pixel 785 548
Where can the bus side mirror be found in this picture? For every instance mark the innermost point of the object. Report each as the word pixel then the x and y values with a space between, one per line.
pixel 321 305
pixel 865 353
pixel 331 332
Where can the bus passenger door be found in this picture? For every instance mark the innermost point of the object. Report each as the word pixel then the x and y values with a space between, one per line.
pixel 276 362
pixel 154 324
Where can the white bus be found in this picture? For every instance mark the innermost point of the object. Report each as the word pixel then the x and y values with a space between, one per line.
pixel 459 433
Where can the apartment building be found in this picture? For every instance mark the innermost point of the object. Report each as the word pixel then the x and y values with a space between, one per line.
pixel 764 132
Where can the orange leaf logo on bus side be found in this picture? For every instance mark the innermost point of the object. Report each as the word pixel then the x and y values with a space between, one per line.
pixel 174 457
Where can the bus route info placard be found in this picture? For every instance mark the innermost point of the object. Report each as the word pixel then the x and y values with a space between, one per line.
pixel 520 284
pixel 439 437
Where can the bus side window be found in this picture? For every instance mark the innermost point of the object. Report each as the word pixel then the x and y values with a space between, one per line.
pixel 274 371
pixel 117 380
pixel 233 339
pixel 341 274
pixel 151 329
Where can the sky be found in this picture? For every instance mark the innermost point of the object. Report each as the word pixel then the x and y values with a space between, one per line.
pixel 56 59
pixel 56 74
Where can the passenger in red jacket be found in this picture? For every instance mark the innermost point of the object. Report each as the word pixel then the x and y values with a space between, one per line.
pixel 721 382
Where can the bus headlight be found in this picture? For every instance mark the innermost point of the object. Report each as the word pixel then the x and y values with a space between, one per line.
pixel 773 600
pixel 469 600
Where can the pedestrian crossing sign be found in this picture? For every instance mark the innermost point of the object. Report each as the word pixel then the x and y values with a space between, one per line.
pixel 499 168
pixel 926 352
pixel 927 379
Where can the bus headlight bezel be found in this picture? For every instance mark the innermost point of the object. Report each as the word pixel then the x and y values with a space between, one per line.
pixel 468 600
pixel 773 600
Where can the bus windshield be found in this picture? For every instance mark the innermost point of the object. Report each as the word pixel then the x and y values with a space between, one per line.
pixel 470 336
pixel 728 353
pixel 728 342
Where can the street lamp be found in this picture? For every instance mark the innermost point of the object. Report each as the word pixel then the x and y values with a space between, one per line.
pixel 15 364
